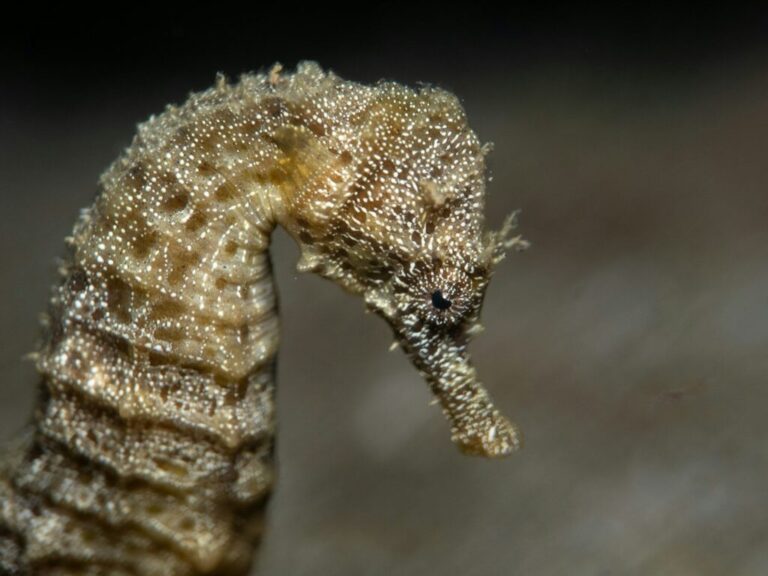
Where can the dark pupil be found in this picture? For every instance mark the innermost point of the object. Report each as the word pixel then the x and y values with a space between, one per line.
pixel 439 302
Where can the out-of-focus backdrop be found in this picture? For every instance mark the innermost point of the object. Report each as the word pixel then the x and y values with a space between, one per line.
pixel 630 342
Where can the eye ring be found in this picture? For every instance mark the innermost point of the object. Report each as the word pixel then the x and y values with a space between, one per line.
pixel 439 301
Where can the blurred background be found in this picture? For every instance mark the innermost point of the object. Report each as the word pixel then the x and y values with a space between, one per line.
pixel 629 342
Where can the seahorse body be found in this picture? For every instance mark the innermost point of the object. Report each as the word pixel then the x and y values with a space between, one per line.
pixel 152 450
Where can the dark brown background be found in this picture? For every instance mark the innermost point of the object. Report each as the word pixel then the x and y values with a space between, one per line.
pixel 629 343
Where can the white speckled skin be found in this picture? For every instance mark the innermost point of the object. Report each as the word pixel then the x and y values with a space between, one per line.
pixel 153 445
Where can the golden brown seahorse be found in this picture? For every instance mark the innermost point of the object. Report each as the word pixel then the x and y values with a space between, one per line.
pixel 152 445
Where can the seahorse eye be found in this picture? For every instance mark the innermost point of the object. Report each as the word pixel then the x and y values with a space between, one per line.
pixel 439 302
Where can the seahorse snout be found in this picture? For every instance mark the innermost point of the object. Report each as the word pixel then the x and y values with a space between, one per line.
pixel 441 356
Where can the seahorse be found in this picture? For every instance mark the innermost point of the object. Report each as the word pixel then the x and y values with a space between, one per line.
pixel 152 444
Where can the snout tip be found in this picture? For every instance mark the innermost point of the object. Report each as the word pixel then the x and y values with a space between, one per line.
pixel 497 438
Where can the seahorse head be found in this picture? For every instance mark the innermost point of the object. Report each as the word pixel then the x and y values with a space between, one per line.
pixel 390 206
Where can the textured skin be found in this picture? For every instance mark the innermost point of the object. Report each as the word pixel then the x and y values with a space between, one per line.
pixel 152 449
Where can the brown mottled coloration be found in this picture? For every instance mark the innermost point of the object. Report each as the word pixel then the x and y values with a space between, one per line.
pixel 152 451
